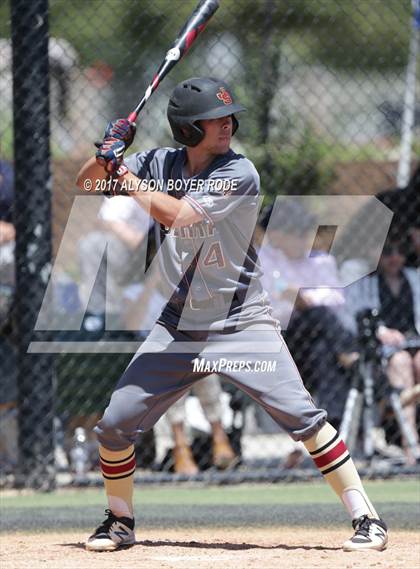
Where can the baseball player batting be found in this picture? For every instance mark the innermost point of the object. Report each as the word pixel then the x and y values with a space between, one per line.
pixel 217 309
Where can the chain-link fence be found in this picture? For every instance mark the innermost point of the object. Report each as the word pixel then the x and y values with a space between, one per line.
pixel 332 120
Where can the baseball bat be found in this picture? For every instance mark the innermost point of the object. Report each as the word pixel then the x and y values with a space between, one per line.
pixel 186 37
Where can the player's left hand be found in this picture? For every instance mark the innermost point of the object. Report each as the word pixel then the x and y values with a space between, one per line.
pixel 110 154
pixel 122 129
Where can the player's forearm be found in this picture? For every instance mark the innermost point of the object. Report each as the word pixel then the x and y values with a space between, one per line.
pixel 163 208
pixel 90 171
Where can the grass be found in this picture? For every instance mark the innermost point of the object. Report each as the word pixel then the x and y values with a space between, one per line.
pixel 407 491
pixel 276 505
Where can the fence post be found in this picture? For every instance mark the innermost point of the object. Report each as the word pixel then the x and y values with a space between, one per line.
pixel 32 209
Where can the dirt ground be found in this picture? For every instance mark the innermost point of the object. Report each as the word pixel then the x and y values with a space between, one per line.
pixel 210 549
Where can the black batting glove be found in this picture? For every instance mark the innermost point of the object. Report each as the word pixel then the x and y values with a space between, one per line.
pixel 110 154
pixel 122 129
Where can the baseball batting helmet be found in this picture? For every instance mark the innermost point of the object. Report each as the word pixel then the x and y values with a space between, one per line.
pixel 196 99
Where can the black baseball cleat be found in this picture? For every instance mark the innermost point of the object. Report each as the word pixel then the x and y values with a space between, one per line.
pixel 111 534
pixel 370 534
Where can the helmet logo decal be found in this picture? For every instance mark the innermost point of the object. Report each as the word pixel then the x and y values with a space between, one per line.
pixel 224 96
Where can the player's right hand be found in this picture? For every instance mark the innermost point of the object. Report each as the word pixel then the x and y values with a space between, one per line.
pixel 122 129
pixel 110 154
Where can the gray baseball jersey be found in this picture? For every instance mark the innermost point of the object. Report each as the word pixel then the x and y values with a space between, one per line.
pixel 212 264
pixel 213 270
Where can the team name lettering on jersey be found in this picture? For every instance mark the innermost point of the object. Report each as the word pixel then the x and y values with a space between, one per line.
pixel 195 231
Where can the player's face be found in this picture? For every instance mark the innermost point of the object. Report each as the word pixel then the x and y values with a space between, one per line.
pixel 218 134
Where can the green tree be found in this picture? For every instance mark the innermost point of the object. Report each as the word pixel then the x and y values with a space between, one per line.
pixel 132 36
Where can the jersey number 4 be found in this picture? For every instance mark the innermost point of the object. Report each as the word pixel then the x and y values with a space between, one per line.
pixel 214 256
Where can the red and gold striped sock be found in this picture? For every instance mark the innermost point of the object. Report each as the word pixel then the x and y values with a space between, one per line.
pixel 333 459
pixel 118 469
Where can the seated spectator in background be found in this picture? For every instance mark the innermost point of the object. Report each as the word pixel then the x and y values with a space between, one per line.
pixel 394 290
pixel 7 236
pixel 295 276
pixel 8 391
pixel 209 392
pixel 405 204
pixel 127 224
pixel 143 304
pixel 414 249
pixel 296 284
pixel 412 202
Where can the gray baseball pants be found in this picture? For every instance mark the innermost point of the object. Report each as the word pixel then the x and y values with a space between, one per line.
pixel 255 359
